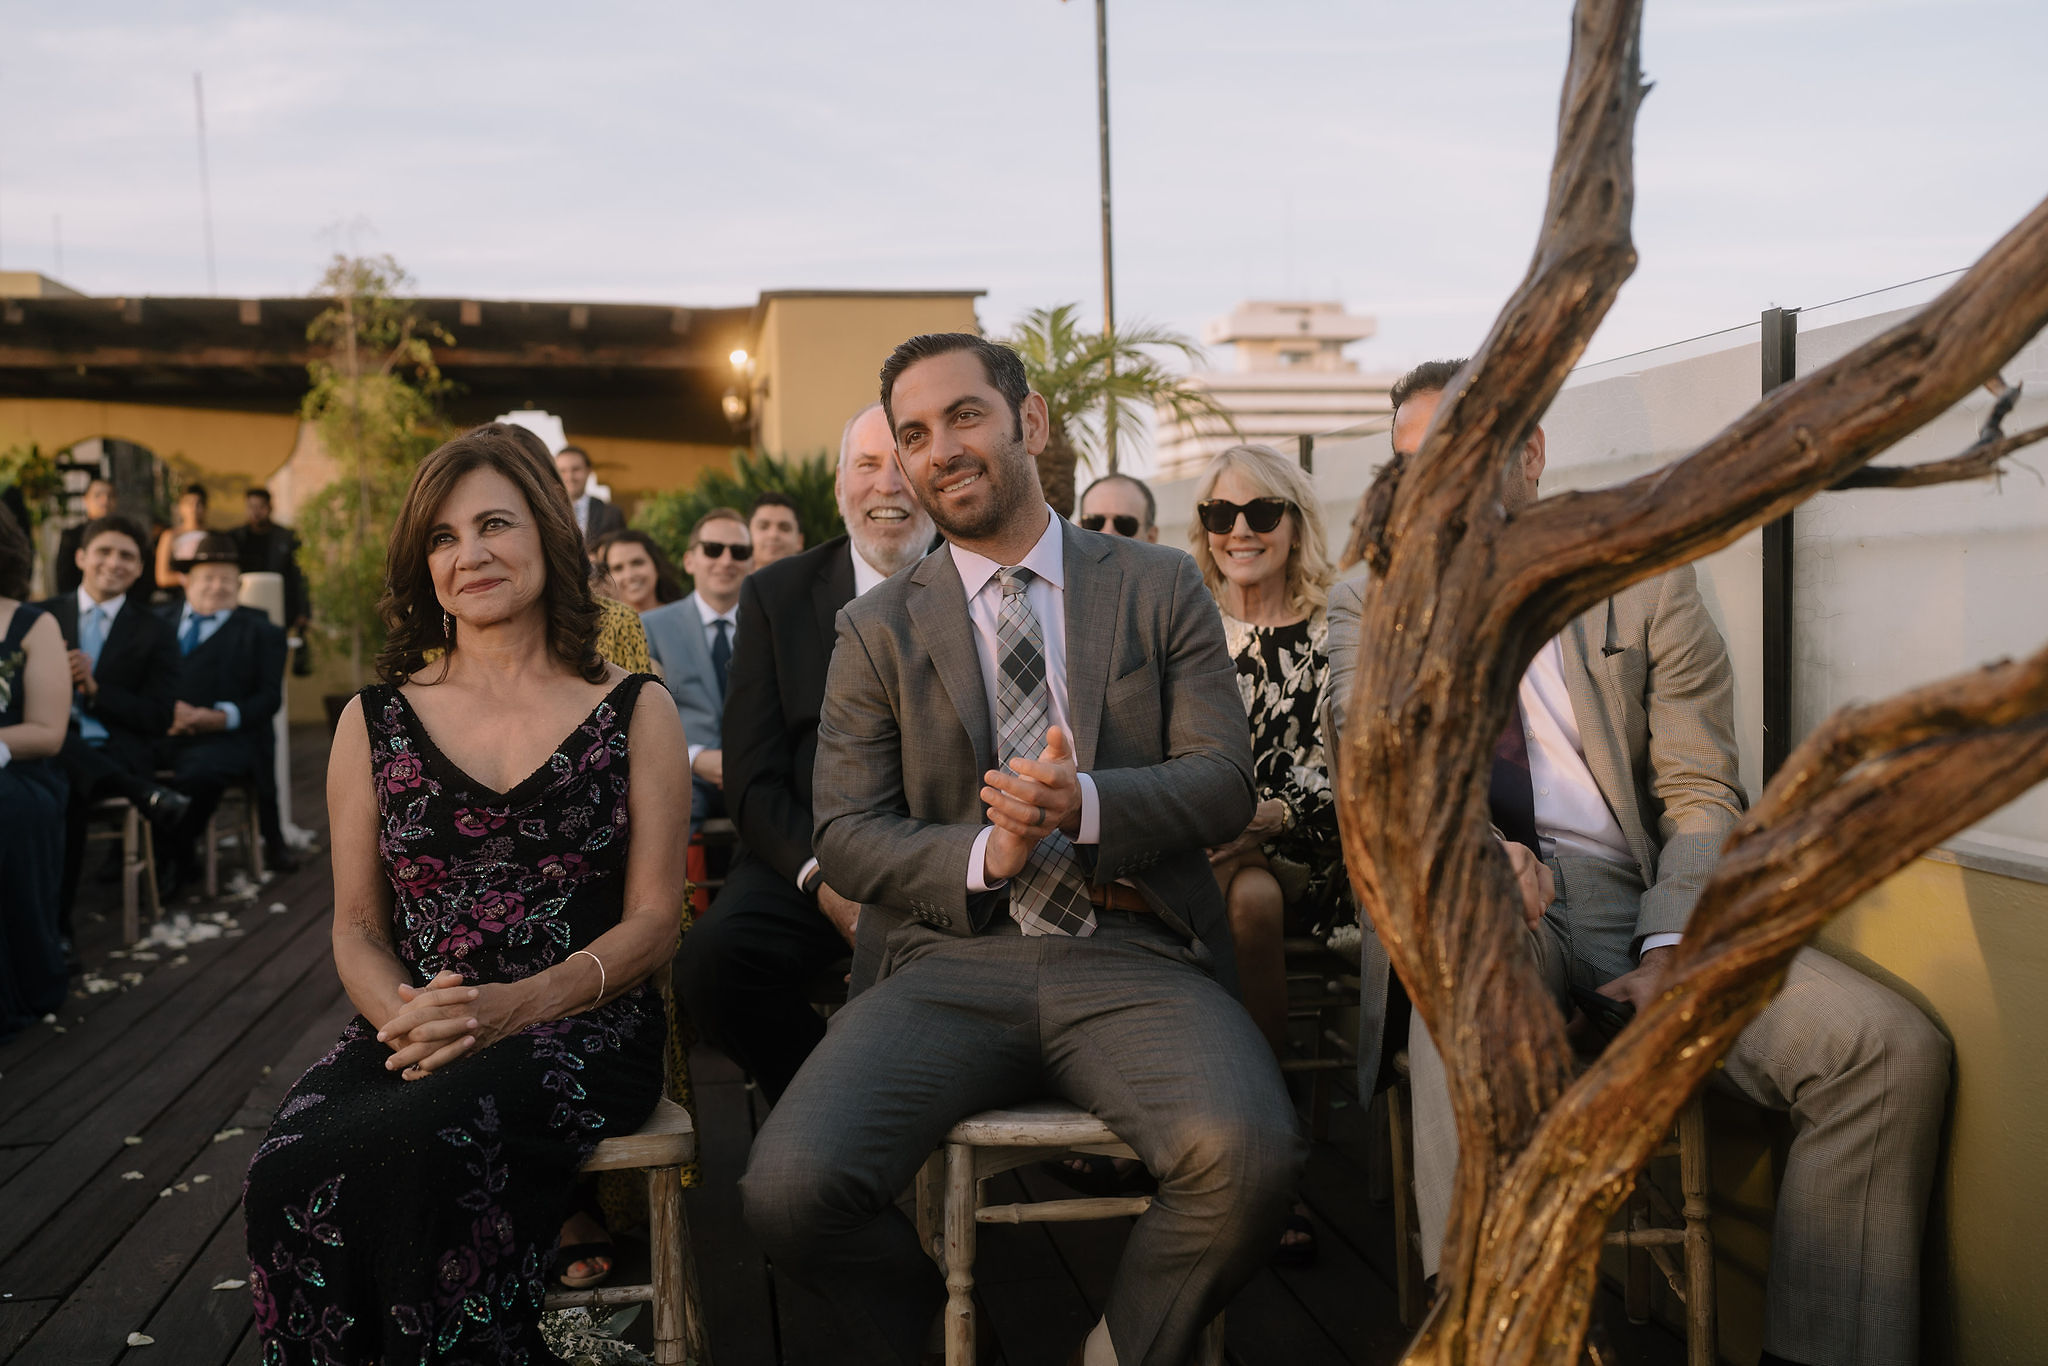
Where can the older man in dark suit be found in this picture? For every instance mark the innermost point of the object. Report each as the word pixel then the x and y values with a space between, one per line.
pixel 1028 742
pixel 744 969
pixel 124 675
pixel 231 681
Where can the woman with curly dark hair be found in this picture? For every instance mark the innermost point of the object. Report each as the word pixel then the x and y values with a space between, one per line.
pixel 508 852
pixel 638 570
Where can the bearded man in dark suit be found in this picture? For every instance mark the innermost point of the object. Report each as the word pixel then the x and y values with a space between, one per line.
pixel 745 968
pixel 1029 740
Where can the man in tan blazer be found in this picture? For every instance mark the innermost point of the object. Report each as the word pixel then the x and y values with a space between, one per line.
pixel 1028 741
pixel 1628 718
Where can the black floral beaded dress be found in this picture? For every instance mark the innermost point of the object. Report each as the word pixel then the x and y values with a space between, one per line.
pixel 394 1221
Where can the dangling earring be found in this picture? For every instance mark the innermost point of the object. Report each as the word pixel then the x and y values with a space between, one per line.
pixel 448 629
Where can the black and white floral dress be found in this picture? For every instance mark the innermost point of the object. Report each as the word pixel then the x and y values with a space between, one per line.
pixel 394 1221
pixel 1281 672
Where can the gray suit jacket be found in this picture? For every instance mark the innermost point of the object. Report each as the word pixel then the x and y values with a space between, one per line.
pixel 675 640
pixel 605 518
pixel 1654 698
pixel 904 739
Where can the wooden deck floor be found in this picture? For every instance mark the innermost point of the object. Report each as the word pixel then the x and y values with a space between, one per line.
pixel 125 1130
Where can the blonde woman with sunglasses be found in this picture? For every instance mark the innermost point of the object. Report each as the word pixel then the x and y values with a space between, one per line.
pixel 1258 537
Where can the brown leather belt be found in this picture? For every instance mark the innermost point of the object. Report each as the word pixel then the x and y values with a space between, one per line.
pixel 1118 897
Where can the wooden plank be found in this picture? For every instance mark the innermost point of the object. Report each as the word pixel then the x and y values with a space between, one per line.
pixel 1265 1324
pixel 122 1293
pixel 730 1268
pixel 195 1322
pixel 18 1319
pixel 66 1207
pixel 249 1352
pixel 1038 1313
pixel 13 1160
pixel 49 1092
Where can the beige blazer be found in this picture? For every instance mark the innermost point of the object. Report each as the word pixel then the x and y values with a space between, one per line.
pixel 1654 697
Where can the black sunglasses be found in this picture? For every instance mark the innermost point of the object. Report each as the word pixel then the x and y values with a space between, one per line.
pixel 1125 526
pixel 1260 514
pixel 713 549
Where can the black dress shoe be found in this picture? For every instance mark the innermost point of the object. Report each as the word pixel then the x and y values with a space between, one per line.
pixel 165 806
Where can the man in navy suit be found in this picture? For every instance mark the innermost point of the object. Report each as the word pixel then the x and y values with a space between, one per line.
pixel 124 677
pixel 693 640
pixel 231 681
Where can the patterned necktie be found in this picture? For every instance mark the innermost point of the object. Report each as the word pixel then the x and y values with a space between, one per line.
pixel 188 639
pixel 1512 793
pixel 1050 896
pixel 721 652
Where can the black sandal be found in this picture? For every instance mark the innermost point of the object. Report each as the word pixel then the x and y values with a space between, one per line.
pixel 567 1256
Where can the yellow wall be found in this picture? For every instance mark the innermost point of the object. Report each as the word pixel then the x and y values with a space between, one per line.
pixel 633 468
pixel 1971 949
pixel 816 359
pixel 241 446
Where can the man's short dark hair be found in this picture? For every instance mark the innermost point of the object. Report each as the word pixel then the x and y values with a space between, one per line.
pixel 1151 504
pixel 258 492
pixel 770 498
pixel 579 453
pixel 100 526
pixel 1003 366
pixel 194 491
pixel 1430 377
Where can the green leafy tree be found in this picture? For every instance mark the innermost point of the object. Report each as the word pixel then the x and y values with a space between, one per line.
pixel 1095 380
pixel 668 517
pixel 34 477
pixel 374 400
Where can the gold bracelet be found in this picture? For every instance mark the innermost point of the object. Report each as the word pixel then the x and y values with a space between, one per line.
pixel 600 976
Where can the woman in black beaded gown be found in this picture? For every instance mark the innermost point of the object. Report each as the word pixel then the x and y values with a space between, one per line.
pixel 509 832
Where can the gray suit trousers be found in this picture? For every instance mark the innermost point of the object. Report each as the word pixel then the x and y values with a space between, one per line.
pixel 1865 1077
pixel 1124 1023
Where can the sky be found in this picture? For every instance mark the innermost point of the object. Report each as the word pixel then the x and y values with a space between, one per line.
pixel 1393 156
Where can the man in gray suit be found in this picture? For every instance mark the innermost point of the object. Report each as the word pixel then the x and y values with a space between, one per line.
pixel 1615 811
pixel 692 640
pixel 1028 740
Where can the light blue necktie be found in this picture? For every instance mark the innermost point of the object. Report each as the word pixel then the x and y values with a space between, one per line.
pixel 92 638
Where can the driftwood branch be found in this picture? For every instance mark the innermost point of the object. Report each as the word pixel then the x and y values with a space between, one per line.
pixel 1465 594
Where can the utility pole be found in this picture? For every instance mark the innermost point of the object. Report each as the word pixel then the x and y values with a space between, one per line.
pixel 1108 253
pixel 205 189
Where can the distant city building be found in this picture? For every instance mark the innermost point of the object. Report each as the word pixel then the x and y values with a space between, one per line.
pixel 1291 379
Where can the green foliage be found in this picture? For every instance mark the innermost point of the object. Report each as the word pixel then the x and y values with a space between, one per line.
pixel 34 475
pixel 1082 375
pixel 374 402
pixel 668 517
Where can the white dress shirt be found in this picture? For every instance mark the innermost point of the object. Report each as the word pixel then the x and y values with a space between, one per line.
pixel 582 506
pixel 111 607
pixel 1572 817
pixel 865 577
pixel 208 624
pixel 731 618
pixel 1047 596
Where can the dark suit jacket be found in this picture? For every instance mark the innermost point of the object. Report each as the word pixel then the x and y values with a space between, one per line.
pixel 137 676
pixel 605 518
pixel 1158 724
pixel 66 573
pixel 242 663
pixel 776 689
pixel 274 550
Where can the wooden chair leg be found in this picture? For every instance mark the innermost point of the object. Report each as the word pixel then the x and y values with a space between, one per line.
pixel 252 831
pixel 1636 1281
pixel 131 876
pixel 1379 1171
pixel 149 889
pixel 1408 1271
pixel 960 1233
pixel 1694 1180
pixel 212 841
pixel 930 1189
pixel 678 1307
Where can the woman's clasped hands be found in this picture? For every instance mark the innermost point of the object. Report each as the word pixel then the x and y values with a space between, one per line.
pixel 444 1020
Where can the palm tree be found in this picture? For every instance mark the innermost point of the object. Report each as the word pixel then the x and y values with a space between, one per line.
pixel 1083 375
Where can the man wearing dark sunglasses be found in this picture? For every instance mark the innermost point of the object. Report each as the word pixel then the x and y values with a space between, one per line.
pixel 692 640
pixel 1120 506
